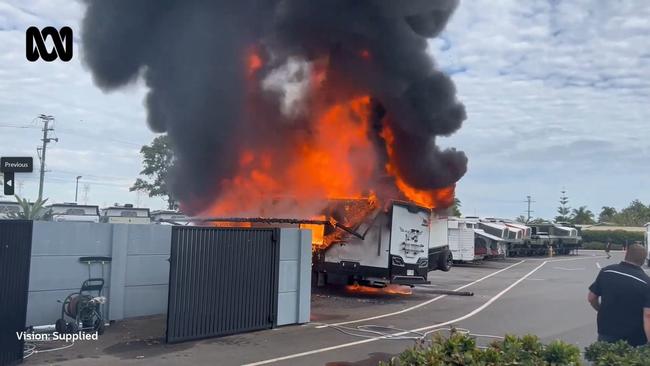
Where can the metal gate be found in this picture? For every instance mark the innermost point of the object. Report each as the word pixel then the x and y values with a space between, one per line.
pixel 15 255
pixel 222 281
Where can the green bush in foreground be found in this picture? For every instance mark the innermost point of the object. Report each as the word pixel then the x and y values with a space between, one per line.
pixel 617 354
pixel 460 349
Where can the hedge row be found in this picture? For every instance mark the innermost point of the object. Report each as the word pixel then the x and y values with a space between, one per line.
pixel 596 245
pixel 615 236
pixel 461 349
pixel 617 354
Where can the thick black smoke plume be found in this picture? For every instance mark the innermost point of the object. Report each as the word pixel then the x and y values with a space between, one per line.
pixel 190 54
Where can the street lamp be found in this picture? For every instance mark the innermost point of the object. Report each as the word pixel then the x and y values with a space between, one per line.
pixel 76 190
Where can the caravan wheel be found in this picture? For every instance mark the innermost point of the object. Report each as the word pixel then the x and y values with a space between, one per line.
pixel 445 261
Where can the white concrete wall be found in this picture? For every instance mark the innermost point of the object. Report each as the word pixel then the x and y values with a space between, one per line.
pixel 137 277
pixel 294 286
pixel 135 280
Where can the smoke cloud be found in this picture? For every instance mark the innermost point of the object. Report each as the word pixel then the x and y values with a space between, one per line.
pixel 190 55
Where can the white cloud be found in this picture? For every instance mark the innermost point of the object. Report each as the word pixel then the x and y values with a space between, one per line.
pixel 99 134
pixel 557 95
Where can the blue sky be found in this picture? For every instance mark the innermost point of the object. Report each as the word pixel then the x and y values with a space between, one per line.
pixel 557 95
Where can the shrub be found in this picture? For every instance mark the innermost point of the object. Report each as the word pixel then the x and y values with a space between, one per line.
pixel 615 236
pixel 461 350
pixel 595 245
pixel 617 354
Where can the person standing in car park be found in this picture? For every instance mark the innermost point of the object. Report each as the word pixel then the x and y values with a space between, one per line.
pixel 621 296
pixel 608 248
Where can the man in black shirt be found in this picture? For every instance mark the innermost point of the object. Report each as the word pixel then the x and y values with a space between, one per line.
pixel 624 293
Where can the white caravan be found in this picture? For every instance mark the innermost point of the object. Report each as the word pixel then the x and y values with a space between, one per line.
pixel 126 214
pixel 468 242
pixel 168 217
pixel 7 208
pixel 74 212
pixel 399 244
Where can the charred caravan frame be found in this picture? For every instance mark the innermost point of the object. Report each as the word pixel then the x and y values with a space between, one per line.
pixel 358 241
pixel 398 244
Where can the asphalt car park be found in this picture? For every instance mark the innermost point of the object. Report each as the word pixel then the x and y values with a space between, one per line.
pixel 543 296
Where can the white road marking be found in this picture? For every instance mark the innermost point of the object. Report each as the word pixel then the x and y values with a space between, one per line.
pixel 598 265
pixel 430 327
pixel 422 303
pixel 575 259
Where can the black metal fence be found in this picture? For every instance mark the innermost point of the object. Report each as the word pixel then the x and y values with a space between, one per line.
pixel 15 255
pixel 222 281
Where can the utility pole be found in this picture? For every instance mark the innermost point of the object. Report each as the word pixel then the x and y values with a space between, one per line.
pixel 529 200
pixel 86 189
pixel 76 189
pixel 46 140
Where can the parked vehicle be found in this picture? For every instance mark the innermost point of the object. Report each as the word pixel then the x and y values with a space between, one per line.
pixel 398 244
pixel 74 212
pixel 126 214
pixel 560 236
pixel 499 236
pixel 7 208
pixel 167 217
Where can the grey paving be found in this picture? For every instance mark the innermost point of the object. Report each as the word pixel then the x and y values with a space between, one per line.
pixel 550 302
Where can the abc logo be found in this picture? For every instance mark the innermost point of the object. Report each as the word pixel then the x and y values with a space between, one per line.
pixel 62 40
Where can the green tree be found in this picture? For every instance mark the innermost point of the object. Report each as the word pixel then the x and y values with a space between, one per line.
pixel 31 211
pixel 582 216
pixel 607 214
pixel 454 210
pixel 636 214
pixel 157 160
pixel 521 218
pixel 538 220
pixel 563 210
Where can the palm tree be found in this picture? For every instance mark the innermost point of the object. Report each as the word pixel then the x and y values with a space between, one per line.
pixel 607 214
pixel 31 211
pixel 582 216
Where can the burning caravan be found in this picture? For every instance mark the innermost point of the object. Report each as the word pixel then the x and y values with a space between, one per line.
pixel 397 244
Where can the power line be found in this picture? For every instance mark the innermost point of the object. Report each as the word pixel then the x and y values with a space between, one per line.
pixel 88 135
pixel 16 126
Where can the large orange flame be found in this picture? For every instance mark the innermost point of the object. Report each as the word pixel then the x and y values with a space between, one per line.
pixel 335 158
pixel 391 289
pixel 435 198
